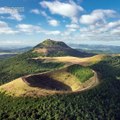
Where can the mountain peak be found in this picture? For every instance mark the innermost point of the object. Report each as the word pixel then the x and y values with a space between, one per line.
pixel 49 40
pixel 56 48
pixel 51 43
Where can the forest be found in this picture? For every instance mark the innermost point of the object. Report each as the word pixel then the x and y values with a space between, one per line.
pixel 99 103
pixel 23 64
pixel 82 73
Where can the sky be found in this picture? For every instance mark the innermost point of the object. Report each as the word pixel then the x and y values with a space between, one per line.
pixel 29 22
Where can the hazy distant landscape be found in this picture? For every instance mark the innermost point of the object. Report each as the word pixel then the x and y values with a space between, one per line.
pixel 9 52
pixel 105 49
pixel 97 49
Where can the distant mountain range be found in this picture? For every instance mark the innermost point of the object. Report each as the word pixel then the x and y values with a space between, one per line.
pixel 49 48
pixel 10 52
pixel 14 50
pixel 55 48
pixel 108 49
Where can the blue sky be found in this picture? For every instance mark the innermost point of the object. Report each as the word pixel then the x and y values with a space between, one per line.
pixel 28 22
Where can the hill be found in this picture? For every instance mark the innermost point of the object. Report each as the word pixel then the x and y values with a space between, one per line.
pixel 99 103
pixel 24 64
pixel 69 79
pixel 98 49
pixel 29 75
pixel 73 60
pixel 57 48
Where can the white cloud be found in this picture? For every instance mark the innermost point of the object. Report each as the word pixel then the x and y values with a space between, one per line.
pixel 116 31
pixel 12 12
pixel 70 10
pixel 27 28
pixel 53 22
pixel 73 26
pixel 111 27
pixel 5 29
pixel 30 29
pixel 35 11
pixel 97 16
pixel 56 32
pixel 107 32
pixel 39 12
pixel 43 13
pixel 113 24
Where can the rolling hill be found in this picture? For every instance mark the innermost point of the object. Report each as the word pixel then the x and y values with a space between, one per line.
pixel 33 83
pixel 99 103
pixel 24 64
pixel 53 48
pixel 66 80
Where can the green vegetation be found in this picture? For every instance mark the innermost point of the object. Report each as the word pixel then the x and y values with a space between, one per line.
pixel 99 103
pixel 82 73
pixel 23 64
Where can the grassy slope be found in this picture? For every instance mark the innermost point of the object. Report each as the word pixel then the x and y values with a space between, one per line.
pixel 19 88
pixel 69 82
pixel 74 60
pixel 100 103
pixel 21 65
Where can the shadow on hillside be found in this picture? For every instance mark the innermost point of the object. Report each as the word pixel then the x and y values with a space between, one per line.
pixel 45 82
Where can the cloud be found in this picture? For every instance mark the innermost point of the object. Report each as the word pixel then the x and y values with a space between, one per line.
pixel 28 28
pixel 50 20
pixel 70 10
pixel 116 31
pixel 56 32
pixel 53 22
pixel 113 24
pixel 107 32
pixel 35 11
pixel 5 29
pixel 97 16
pixel 39 12
pixel 13 13
pixel 114 27
pixel 73 26
pixel 43 13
